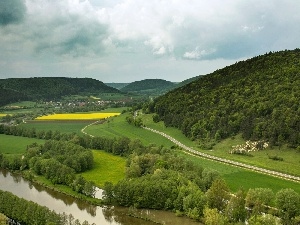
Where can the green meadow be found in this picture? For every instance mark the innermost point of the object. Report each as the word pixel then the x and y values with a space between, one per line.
pixel 237 178
pixel 62 126
pixel 107 168
pixel 119 127
pixel 15 145
pixel 291 157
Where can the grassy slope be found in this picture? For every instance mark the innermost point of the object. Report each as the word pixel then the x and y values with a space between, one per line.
pixel 290 164
pixel 118 127
pixel 242 178
pixel 15 145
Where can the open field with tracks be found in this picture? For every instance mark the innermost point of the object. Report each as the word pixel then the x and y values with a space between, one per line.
pixel 289 165
pixel 118 127
pixel 242 178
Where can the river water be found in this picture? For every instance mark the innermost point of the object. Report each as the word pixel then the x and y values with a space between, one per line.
pixel 83 211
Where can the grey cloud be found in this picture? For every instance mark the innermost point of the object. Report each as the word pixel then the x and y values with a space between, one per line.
pixel 11 11
pixel 75 38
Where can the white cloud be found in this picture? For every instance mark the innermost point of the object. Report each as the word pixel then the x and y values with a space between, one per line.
pixel 197 53
pixel 107 35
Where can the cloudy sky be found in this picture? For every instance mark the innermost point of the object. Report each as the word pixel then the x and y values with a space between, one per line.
pixel 129 40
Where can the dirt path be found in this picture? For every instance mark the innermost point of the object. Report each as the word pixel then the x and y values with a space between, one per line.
pixel 83 129
pixel 227 161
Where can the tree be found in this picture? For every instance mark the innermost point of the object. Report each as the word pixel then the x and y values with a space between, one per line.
pixel 78 184
pixel 108 195
pixel 218 195
pixel 265 219
pixel 89 189
pixel 213 217
pixel 194 203
pixel 288 202
pixel 258 198
pixel 235 209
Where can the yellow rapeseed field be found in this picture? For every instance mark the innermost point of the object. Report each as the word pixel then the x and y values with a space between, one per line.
pixel 2 114
pixel 77 116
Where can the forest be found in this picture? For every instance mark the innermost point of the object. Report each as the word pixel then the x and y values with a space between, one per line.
pixel 48 88
pixel 149 86
pixel 258 97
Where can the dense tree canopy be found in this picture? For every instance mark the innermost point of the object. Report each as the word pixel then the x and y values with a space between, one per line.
pixel 258 97
pixel 38 88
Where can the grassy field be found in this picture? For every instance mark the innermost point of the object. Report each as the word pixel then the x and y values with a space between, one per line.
pixel 291 157
pixel 16 145
pixel 65 126
pixel 78 116
pixel 290 163
pixel 22 107
pixel 118 127
pixel 107 168
pixel 242 178
pixel 62 126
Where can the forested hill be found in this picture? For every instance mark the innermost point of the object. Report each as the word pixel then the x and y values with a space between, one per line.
pixel 49 88
pixel 117 85
pixel 149 86
pixel 258 97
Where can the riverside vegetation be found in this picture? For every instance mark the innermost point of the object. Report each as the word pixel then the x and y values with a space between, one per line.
pixel 158 178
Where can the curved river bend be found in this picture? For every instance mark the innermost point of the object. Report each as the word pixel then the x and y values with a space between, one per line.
pixel 81 210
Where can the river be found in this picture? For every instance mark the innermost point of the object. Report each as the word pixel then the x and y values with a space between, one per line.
pixel 60 203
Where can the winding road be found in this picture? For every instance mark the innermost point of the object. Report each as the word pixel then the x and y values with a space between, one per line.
pixel 227 161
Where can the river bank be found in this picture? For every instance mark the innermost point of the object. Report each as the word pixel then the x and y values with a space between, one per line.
pixel 102 215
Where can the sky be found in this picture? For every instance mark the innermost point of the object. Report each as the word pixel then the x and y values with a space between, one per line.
pixel 123 41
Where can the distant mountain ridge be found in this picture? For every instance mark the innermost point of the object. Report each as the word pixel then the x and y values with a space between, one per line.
pixel 258 97
pixel 149 86
pixel 117 85
pixel 38 88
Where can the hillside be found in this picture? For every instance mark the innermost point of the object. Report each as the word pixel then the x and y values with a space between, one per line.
pixel 149 86
pixel 258 97
pixel 187 81
pixel 117 85
pixel 38 88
